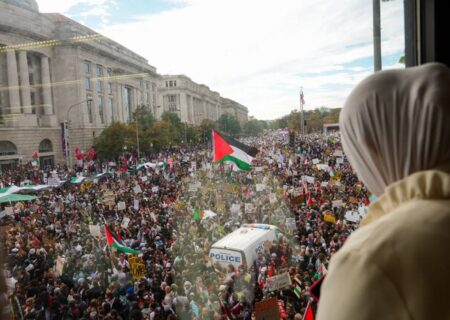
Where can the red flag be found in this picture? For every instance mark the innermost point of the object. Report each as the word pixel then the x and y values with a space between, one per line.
pixel 91 153
pixel 221 147
pixel 124 168
pixel 309 202
pixel 78 154
pixel 309 315
pixel 35 155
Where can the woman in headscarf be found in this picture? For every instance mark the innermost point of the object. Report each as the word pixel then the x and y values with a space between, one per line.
pixel 395 129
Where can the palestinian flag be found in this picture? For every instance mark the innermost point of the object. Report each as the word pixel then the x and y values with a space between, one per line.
pixel 117 245
pixel 198 215
pixel 226 149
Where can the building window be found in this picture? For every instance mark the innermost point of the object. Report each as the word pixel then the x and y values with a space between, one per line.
pixel 46 146
pixel 31 78
pixel 167 84
pixel 89 107
pixel 170 83
pixel 33 102
pixel 110 88
pixel 87 83
pixel 100 109
pixel 109 72
pixel 111 109
pixel 147 85
pixel 127 103
pixel 87 67
pixel 7 148
pixel 99 71
pixel 141 84
pixel 174 83
pixel 98 85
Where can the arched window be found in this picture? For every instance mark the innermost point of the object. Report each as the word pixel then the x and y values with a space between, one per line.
pixel 45 146
pixel 7 148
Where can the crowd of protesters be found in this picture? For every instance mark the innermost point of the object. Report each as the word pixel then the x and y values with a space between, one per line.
pixel 57 267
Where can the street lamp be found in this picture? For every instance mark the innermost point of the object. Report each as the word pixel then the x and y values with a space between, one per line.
pixel 66 132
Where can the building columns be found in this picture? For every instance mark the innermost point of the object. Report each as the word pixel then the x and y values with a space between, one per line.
pixel 46 86
pixel 24 83
pixel 13 82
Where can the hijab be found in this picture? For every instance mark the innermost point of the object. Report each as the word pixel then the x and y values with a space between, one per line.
pixel 397 122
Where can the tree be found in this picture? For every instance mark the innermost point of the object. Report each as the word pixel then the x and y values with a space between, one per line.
pixel 109 144
pixel 253 127
pixel 229 124
pixel 162 134
pixel 205 129
pixel 177 127
pixel 144 117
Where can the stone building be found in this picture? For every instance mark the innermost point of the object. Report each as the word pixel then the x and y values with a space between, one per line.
pixel 234 108
pixel 192 102
pixel 50 64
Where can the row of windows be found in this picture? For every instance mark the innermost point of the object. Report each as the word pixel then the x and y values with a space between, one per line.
pixel 100 106
pixel 98 69
pixel 98 85
pixel 171 83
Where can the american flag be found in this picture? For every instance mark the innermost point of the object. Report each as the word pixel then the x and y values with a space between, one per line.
pixel 302 98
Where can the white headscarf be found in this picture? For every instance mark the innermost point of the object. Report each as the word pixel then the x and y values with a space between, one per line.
pixel 397 122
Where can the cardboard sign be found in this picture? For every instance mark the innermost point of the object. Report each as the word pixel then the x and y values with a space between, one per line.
pixel 121 205
pixel 94 230
pixel 267 309
pixel 125 222
pixel 278 282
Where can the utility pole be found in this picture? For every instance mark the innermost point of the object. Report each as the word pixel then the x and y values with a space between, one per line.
pixel 302 115
pixel 376 36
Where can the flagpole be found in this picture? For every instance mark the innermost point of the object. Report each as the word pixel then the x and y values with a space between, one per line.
pixel 302 125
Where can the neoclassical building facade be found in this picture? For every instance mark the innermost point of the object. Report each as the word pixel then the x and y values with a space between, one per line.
pixel 62 83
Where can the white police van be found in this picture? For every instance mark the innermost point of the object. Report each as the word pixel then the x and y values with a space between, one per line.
pixel 243 245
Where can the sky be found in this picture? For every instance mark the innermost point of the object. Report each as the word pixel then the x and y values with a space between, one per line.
pixel 256 52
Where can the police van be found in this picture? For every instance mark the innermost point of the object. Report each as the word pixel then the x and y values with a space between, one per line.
pixel 243 245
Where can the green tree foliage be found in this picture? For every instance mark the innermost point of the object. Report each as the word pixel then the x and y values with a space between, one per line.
pixel 144 117
pixel 229 124
pixel 314 119
pixel 254 127
pixel 109 144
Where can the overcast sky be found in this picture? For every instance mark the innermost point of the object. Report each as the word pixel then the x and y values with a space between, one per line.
pixel 257 52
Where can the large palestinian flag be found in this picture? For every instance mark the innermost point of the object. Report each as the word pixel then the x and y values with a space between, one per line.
pixel 226 149
pixel 117 245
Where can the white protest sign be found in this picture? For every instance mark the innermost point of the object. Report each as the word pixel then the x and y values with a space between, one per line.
pixel 9 211
pixel 309 179
pixel 337 203
pixel 352 216
pixel 315 161
pixel 121 205
pixel 155 189
pixel 272 198
pixel 338 153
pixel 94 230
pixel 59 266
pixel 279 281
pixel 235 208
pixel 260 187
pixel 258 169
pixel 125 222
pixel 137 189
pixel 290 224
pixel 192 187
pixel 323 167
pixel 249 207
pixel 144 178
pixel 54 182
pixel 136 204
pixel 324 184
pixel 339 160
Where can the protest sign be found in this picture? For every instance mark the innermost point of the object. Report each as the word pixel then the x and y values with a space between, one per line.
pixel 144 178
pixel 235 207
pixel 329 218
pixel 338 153
pixel 267 309
pixel 59 266
pixel 155 189
pixel 192 187
pixel 121 205
pixel 136 204
pixel 9 211
pixel 290 224
pixel 94 230
pixel 353 200
pixel 339 160
pixel 337 203
pixel 278 282
pixel 315 161
pixel 272 198
pixel 260 187
pixel 109 198
pixel 53 181
pixel 125 222
pixel 352 216
pixel 137 189
pixel 258 169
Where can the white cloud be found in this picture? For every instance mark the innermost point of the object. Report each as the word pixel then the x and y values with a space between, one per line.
pixel 259 52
